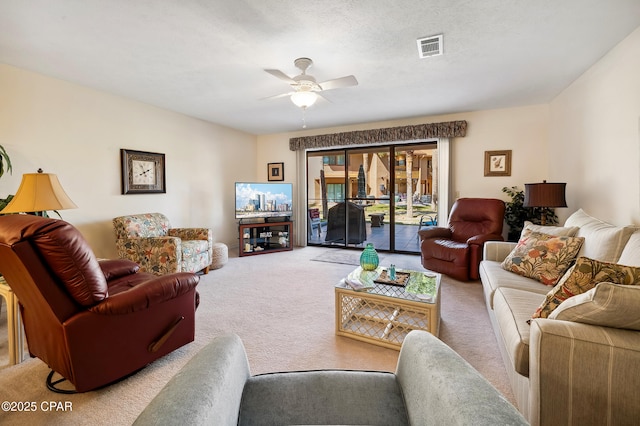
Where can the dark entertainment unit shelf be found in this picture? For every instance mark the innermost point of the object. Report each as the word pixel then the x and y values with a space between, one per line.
pixel 267 237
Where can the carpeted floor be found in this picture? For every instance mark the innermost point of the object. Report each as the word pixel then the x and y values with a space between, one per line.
pixel 346 257
pixel 282 306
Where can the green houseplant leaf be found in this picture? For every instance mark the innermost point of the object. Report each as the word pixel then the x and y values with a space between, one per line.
pixel 5 162
pixel 516 214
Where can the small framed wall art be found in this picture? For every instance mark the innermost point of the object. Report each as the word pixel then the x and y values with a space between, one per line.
pixel 142 172
pixel 497 163
pixel 275 171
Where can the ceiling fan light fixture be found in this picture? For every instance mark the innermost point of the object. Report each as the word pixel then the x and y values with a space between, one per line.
pixel 304 99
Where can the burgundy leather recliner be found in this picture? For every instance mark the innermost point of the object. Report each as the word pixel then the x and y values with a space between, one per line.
pixel 457 249
pixel 93 322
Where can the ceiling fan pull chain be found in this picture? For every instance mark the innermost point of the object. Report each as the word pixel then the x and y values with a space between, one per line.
pixel 304 118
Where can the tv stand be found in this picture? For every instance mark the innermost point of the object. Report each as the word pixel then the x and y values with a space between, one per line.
pixel 267 237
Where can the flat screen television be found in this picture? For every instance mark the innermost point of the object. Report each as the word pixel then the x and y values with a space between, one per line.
pixel 263 200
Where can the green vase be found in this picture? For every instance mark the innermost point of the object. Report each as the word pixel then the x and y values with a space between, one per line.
pixel 369 258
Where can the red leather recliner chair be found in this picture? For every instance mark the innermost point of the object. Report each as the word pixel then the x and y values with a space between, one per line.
pixel 457 250
pixel 93 322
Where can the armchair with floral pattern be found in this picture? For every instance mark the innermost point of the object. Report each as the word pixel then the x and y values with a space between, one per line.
pixel 149 240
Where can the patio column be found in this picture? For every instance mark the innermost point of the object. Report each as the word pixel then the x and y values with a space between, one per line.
pixel 409 184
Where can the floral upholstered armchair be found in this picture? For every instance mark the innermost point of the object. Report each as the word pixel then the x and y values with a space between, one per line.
pixel 149 240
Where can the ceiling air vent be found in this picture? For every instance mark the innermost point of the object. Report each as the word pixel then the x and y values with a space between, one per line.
pixel 430 46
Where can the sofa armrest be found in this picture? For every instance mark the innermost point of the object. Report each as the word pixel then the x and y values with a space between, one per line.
pixel 582 374
pixel 497 250
pixel 440 387
pixel 482 239
pixel 206 391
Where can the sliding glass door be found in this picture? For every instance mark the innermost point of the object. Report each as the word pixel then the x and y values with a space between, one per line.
pixel 380 195
pixel 415 189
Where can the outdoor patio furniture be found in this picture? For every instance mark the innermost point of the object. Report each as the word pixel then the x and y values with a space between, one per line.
pixel 336 224
pixel 314 222
pixel 377 219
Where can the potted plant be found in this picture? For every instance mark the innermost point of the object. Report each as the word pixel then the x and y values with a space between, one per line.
pixel 5 166
pixel 516 214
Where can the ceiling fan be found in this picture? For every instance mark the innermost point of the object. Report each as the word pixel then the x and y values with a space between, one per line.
pixel 305 88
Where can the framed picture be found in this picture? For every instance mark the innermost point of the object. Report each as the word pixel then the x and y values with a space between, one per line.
pixel 142 172
pixel 497 163
pixel 275 171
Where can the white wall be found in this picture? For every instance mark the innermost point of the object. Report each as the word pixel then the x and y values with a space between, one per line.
pixel 77 133
pixel 595 136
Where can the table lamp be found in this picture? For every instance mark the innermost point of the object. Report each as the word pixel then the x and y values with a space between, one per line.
pixel 39 192
pixel 544 195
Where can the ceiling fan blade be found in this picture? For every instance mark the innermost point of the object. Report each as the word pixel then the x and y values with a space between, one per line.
pixel 277 96
pixel 338 83
pixel 321 97
pixel 282 76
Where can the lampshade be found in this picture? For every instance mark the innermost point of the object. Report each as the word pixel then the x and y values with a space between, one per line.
pixel 544 194
pixel 304 98
pixel 39 192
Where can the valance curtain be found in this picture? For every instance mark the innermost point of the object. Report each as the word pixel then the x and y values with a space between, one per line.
pixel 449 129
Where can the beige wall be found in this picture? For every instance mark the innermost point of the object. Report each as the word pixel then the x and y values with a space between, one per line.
pixel 595 136
pixel 77 133
pixel 589 137
pixel 523 130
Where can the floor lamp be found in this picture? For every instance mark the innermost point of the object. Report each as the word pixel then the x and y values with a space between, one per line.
pixel 544 194
pixel 39 192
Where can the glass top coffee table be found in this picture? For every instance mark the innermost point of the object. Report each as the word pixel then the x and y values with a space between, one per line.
pixel 383 314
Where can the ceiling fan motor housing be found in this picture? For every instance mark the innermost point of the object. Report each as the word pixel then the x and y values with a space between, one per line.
pixel 303 63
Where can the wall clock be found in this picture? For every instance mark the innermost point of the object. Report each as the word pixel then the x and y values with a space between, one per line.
pixel 142 172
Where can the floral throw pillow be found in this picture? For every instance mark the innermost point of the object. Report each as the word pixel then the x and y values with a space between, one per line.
pixel 586 274
pixel 543 257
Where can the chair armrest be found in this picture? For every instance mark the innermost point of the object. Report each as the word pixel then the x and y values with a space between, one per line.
pixel 497 250
pixel 116 268
pixel 192 233
pixel 571 363
pixel 206 391
pixel 440 387
pixel 146 294
pixel 481 239
pixel 434 232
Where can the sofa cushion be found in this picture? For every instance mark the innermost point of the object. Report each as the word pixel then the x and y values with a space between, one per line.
pixel 512 308
pixel 603 241
pixel 631 251
pixel 542 257
pixel 493 277
pixel 607 305
pixel 141 225
pixel 583 277
pixel 323 397
pixel 551 230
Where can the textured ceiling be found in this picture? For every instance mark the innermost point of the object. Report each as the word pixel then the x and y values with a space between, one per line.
pixel 205 58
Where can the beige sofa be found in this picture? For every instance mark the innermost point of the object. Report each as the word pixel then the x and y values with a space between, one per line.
pixel 569 368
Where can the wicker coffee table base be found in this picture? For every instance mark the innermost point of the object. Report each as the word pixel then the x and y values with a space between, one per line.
pixel 383 320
